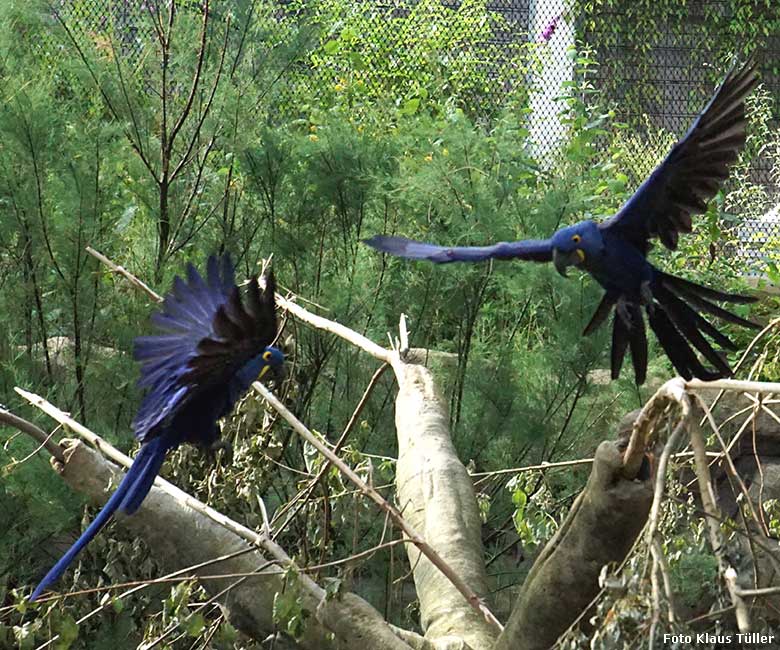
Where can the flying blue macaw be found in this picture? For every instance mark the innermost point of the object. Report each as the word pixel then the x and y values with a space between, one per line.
pixel 615 252
pixel 212 346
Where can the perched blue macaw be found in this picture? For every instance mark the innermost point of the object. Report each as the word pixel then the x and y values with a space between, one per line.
pixel 212 347
pixel 615 252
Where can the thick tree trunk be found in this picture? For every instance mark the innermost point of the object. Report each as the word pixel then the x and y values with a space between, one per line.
pixel 601 528
pixel 436 496
pixel 182 537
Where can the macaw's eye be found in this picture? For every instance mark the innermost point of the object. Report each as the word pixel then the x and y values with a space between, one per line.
pixel 267 355
pixel 576 239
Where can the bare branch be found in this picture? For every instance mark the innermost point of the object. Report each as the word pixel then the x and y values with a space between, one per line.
pixel 709 504
pixel 168 518
pixel 390 510
pixel 672 392
pixel 34 432
pixel 139 284
pixel 734 384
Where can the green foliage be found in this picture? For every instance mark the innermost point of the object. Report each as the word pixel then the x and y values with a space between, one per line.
pixel 288 611
pixel 274 160
pixel 423 56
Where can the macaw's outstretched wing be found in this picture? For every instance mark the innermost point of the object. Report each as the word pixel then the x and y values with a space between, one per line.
pixel 692 172
pixel 535 250
pixel 208 332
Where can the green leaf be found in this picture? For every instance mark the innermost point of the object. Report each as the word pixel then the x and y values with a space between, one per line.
pixel 410 106
pixel 68 631
pixel 194 624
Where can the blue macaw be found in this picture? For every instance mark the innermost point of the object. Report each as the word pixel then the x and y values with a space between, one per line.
pixel 615 252
pixel 212 347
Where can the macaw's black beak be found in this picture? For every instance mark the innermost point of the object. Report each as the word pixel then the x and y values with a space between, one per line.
pixel 562 261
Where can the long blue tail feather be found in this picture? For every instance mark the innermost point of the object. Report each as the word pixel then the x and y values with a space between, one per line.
pixel 141 486
pixel 140 476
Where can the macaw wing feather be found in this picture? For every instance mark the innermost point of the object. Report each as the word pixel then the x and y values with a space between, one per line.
pixel 676 347
pixel 535 250
pixel 241 331
pixel 685 320
pixel 693 171
pixel 208 332
pixel 620 337
pixel 608 301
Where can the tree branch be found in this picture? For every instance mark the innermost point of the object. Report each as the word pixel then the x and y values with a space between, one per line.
pixel 437 497
pixel 184 531
pixel 33 431
pixel 601 528
pixel 391 511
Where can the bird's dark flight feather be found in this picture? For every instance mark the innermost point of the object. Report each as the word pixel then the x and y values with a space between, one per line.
pixel 693 171
pixel 193 372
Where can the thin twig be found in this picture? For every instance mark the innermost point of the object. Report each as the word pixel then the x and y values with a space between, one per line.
pixel 140 284
pixel 413 536
pixel 710 507
pixel 570 463
pixel 660 478
pixel 305 493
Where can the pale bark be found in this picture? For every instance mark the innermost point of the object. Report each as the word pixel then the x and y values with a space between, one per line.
pixel 601 528
pixel 181 537
pixel 436 495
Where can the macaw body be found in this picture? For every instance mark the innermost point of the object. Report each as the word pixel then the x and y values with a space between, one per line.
pixel 615 252
pixel 212 347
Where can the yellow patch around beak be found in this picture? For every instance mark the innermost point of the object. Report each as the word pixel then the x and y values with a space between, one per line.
pixel 580 254
pixel 263 371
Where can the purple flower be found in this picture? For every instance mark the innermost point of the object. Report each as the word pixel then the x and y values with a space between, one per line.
pixel 550 29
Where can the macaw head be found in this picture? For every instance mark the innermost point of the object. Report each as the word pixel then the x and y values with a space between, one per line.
pixel 272 359
pixel 573 245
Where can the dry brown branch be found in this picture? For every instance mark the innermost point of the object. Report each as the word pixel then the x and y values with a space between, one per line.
pixel 672 392
pixel 121 270
pixel 663 567
pixel 386 507
pixel 709 504
pixel 349 335
pixel 730 464
pixel 303 495
pixel 43 439
pixel 660 478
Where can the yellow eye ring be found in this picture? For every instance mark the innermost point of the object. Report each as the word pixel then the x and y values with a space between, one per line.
pixel 576 239
pixel 266 355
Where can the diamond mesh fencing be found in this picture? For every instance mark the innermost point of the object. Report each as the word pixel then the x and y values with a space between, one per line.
pixel 658 74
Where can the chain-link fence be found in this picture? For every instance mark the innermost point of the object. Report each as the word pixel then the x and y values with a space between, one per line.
pixel 657 70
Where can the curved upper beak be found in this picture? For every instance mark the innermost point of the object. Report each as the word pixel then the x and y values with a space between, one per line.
pixel 562 261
